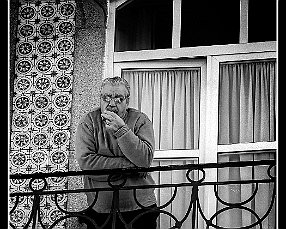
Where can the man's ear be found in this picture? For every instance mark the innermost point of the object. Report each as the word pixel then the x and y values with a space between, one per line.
pixel 127 101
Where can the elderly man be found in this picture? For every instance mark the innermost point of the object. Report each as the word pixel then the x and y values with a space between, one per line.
pixel 116 136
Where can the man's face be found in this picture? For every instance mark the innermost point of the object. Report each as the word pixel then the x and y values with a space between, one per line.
pixel 113 98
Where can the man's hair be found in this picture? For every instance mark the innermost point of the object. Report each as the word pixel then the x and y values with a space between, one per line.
pixel 114 81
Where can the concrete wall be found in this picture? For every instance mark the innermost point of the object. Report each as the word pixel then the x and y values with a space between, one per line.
pixel 88 73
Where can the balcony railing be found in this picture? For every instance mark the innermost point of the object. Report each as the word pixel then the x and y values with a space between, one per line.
pixel 195 178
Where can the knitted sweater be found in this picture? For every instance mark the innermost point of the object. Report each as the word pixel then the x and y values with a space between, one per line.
pixel 130 146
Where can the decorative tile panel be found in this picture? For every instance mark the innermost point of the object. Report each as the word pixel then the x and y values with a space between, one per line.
pixel 42 102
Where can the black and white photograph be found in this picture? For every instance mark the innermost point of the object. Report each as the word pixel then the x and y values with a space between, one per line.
pixel 142 114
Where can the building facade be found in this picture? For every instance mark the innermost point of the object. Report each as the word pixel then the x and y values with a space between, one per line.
pixel 205 76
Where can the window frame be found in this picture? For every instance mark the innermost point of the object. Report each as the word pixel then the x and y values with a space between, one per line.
pixel 212 56
pixel 175 51
pixel 242 147
pixel 170 64
pixel 212 149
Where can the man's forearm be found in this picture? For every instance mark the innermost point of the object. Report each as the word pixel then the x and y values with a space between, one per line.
pixel 138 151
pixel 93 161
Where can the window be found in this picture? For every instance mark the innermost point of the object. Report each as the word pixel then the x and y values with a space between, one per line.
pixel 262 20
pixel 158 24
pixel 169 92
pixel 246 132
pixel 208 22
pixel 171 99
pixel 144 24
pixel 222 57
pixel 238 193
pixel 234 109
pixel 247 102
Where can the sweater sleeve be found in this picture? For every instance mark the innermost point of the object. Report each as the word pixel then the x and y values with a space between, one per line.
pixel 138 146
pixel 87 155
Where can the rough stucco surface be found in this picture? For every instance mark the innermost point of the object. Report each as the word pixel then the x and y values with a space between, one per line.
pixel 88 73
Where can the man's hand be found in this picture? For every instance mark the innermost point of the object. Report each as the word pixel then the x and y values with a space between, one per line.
pixel 112 120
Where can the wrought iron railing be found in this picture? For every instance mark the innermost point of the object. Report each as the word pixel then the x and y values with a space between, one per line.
pixel 193 212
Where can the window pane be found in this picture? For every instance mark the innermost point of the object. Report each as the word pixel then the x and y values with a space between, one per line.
pixel 170 98
pixel 247 100
pixel 144 24
pixel 209 22
pixel 179 206
pixel 238 193
pixel 262 20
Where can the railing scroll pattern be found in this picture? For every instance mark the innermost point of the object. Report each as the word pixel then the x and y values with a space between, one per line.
pixel 38 187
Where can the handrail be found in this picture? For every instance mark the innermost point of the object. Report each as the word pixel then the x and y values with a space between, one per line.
pixel 194 210
pixel 38 175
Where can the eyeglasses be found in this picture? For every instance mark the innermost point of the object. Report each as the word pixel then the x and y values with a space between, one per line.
pixel 117 99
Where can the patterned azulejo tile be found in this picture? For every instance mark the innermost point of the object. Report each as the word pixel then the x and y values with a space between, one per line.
pixel 42 102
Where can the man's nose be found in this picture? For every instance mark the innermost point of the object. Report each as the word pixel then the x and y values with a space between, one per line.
pixel 112 102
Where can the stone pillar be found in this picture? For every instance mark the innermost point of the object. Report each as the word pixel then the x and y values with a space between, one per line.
pixel 88 73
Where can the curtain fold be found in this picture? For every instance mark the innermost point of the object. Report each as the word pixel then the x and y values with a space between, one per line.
pixel 247 100
pixel 171 99
pixel 237 193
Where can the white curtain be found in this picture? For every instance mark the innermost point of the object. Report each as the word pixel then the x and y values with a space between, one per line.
pixel 247 102
pixel 170 98
pixel 246 114
pixel 180 204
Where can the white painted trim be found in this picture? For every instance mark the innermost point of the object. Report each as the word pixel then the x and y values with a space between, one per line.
pixel 211 112
pixel 243 33
pixel 176 154
pixel 243 147
pixel 117 69
pixel 192 52
pixel 192 63
pixel 109 46
pixel 203 114
pixel 209 127
pixel 247 56
pixel 119 3
pixel 176 33
pixel 160 64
